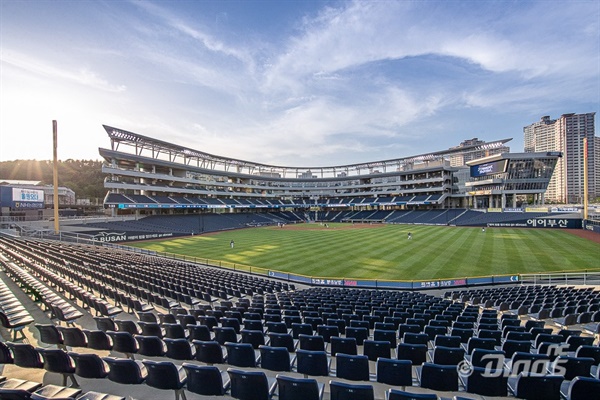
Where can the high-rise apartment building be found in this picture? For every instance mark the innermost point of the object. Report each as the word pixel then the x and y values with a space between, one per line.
pixel 566 135
pixel 597 160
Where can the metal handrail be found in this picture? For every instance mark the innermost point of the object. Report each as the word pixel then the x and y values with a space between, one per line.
pixel 562 278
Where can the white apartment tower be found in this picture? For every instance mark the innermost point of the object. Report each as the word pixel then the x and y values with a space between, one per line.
pixel 566 135
pixel 597 160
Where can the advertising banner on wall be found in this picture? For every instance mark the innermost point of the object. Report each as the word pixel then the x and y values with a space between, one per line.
pixel 562 223
pixel 120 236
pixel 27 198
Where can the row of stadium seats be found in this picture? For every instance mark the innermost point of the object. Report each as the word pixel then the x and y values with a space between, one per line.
pixel 565 306
pixel 118 198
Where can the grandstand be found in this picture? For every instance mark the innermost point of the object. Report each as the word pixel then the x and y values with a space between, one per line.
pixel 150 176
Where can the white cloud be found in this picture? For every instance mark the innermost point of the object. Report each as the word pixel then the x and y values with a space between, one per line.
pixel 207 40
pixel 83 75
pixel 364 32
pixel 350 82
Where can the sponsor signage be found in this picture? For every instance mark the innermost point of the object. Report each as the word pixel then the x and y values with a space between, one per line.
pixel 548 223
pixel 327 282
pixel 203 206
pixel 561 223
pixel 20 198
pixel 564 209
pixel 27 195
pixel 111 237
pixel 411 285
pixel 480 192
pixel 490 168
pixel 27 205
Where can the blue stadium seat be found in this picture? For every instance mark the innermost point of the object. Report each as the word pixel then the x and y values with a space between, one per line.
pixel 290 388
pixel 347 391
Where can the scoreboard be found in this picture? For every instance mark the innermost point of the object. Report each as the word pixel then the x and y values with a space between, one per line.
pixel 490 168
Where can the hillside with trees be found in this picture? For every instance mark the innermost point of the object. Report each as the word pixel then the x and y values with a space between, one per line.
pixel 84 177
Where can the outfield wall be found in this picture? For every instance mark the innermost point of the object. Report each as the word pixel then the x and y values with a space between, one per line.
pixel 117 234
pixel 592 226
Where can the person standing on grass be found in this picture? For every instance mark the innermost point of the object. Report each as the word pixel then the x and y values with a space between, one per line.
pixel 231 244
pixel 409 235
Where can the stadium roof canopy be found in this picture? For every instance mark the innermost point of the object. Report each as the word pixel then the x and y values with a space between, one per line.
pixel 19 182
pixel 157 149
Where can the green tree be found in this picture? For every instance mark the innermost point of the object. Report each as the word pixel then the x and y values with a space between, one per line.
pixel 84 177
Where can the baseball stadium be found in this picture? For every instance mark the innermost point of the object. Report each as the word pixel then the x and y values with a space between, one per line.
pixel 442 275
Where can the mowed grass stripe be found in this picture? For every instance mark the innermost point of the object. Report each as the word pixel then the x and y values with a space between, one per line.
pixel 506 245
pixel 567 251
pixel 376 257
pixel 465 253
pixel 451 256
pixel 383 251
pixel 573 254
pixel 539 253
pixel 546 259
pixel 345 245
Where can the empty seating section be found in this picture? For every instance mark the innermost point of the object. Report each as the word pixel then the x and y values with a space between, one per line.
pixel 57 305
pixel 220 333
pixel 13 315
pixel 37 265
pixel 565 306
pixel 111 275
pixel 197 223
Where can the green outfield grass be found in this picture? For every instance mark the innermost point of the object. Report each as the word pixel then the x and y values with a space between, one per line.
pixel 384 252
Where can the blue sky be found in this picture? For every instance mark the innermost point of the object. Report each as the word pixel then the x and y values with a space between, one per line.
pixel 297 83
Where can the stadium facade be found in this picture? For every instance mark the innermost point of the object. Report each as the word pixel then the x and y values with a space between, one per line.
pixel 497 181
pixel 150 176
